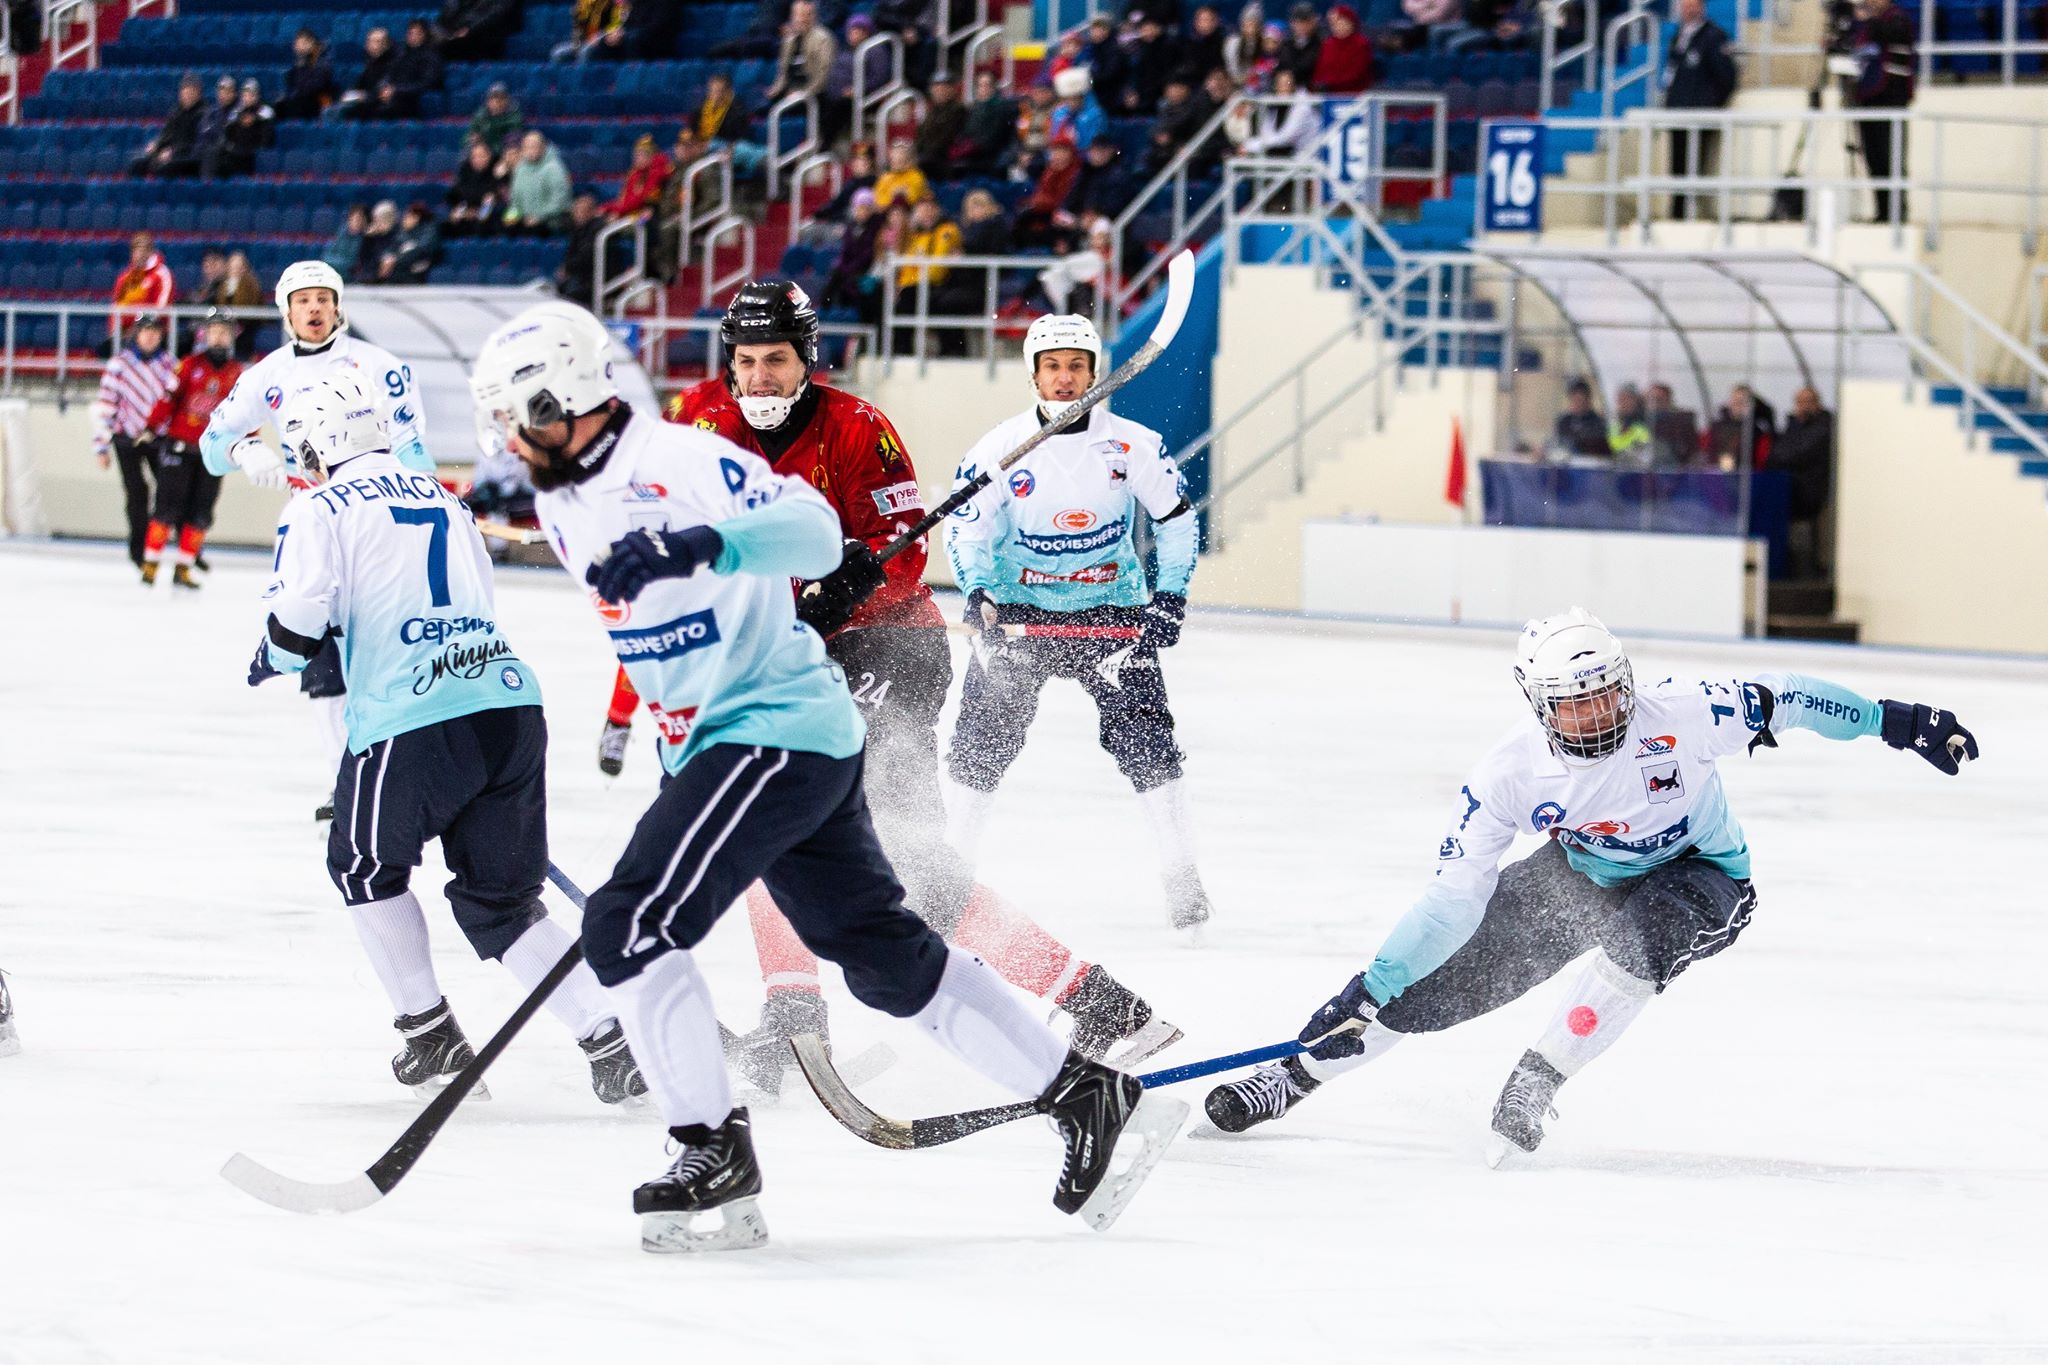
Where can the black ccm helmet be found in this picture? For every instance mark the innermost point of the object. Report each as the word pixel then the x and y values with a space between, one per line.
pixel 767 311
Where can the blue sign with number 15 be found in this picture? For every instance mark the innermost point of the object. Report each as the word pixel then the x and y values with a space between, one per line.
pixel 1511 178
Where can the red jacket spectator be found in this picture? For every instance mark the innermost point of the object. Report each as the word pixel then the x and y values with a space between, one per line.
pixel 1344 65
pixel 642 189
pixel 144 287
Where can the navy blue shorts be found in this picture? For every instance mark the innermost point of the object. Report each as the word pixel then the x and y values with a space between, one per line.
pixel 797 822
pixel 478 783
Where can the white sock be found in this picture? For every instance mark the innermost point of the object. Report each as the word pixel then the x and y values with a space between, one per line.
pixel 332 723
pixel 673 1030
pixel 967 812
pixel 394 934
pixel 1166 810
pixel 1601 1003
pixel 579 1001
pixel 1375 1040
pixel 979 1019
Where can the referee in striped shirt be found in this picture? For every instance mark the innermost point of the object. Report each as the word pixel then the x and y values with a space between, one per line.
pixel 135 378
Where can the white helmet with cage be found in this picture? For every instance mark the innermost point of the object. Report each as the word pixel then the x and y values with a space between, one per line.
pixel 1061 332
pixel 309 275
pixel 1572 658
pixel 332 420
pixel 550 364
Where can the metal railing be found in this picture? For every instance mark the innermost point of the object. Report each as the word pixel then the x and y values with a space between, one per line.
pixel 1989 355
pixel 1753 146
pixel 946 37
pixel 603 283
pixel 2037 329
pixel 1614 80
pixel 1554 61
pixel 138 8
pixel 778 157
pixel 74 30
pixel 83 328
pixel 10 79
pixel 696 210
pixel 800 179
pixel 862 96
pixel 918 325
pixel 732 225
pixel 907 97
pixel 1004 59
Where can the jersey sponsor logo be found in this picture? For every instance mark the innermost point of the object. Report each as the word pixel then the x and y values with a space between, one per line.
pixel 1450 848
pixel 1101 538
pixel 1656 746
pixel 898 497
pixel 1603 829
pixel 1094 573
pixel 1663 839
pixel 273 397
pixel 1021 483
pixel 611 613
pixel 648 492
pixel 674 725
pixel 1546 815
pixel 1663 782
pixel 512 679
pixel 439 630
pixel 1074 519
pixel 669 640
pixel 466 662
pixel 403 416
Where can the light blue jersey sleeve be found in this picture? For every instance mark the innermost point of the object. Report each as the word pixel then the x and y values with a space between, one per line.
pixel 1828 709
pixel 793 537
pixel 972 529
pixel 1157 485
pixel 1174 542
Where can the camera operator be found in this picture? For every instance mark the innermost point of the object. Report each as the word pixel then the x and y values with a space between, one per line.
pixel 1880 64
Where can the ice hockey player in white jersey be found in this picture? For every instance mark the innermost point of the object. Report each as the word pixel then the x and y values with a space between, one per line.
pixel 1049 550
pixel 445 734
pixel 10 1037
pixel 1645 866
pixel 317 345
pixel 689 544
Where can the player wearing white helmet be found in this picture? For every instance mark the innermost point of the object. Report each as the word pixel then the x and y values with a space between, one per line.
pixel 445 734
pixel 1645 866
pixel 689 544
pixel 1051 546
pixel 242 432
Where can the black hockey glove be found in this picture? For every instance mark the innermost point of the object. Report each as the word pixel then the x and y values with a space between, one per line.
pixel 639 557
pixel 981 613
pixel 260 670
pixel 1162 617
pixel 1333 1030
pixel 1932 734
pixel 828 603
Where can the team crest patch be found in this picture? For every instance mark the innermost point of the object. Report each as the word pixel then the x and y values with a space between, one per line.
pixel 510 677
pixel 1662 782
pixel 705 424
pixel 888 449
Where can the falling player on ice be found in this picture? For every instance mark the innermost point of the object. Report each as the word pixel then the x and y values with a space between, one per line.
pixel 445 734
pixel 317 344
pixel 690 543
pixel 880 625
pixel 1646 866
pixel 1051 546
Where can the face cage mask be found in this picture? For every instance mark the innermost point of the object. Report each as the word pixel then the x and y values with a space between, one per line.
pixel 766 414
pixel 1586 748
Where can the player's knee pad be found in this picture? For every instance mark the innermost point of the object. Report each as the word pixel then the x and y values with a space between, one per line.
pixel 492 927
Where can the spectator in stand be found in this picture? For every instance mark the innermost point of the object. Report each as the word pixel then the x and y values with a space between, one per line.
pixel 309 84
pixel 1674 432
pixel 666 259
pixel 1579 431
pixel 1155 58
pixel 377 60
pixel 251 129
pixel 990 128
pixel 920 53
pixel 1430 22
pixel 537 201
pixel 835 102
pixel 858 174
pixel 1805 450
pixel 1304 46
pixel 1102 189
pixel 984 227
pixel 941 129
pixel 933 236
pixel 497 120
pixel 891 237
pixel 807 51
pixel 1072 282
pixel 901 180
pixel 1033 132
pixel 145 286
pixel 1078 119
pixel 344 250
pixel 843 287
pixel 642 191
pixel 722 124
pixel 477 198
pixel 137 375
pixel 1037 223
pixel 1109 69
pixel 213 125
pixel 1742 434
pixel 1071 52
pixel 1241 49
pixel 475 30
pixel 1628 434
pixel 591 22
pixel 213 268
pixel 383 231
pixel 1181 115
pixel 1698 74
pixel 1202 49
pixel 984 231
pixel 1882 47
pixel 1344 66
pixel 239 288
pixel 1217 92
pixel 1276 129
pixel 417 70
pixel 414 251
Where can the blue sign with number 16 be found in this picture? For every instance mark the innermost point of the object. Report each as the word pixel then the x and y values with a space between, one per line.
pixel 1511 178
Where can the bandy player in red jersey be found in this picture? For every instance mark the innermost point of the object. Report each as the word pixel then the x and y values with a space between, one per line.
pixel 882 627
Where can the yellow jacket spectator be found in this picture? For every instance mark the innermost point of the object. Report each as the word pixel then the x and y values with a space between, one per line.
pixel 932 233
pixel 901 179
pixel 1628 434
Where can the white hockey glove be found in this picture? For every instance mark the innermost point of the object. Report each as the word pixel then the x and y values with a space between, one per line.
pixel 263 465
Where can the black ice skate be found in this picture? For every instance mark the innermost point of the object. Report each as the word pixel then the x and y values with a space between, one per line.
pixel 1106 1013
pixel 434 1051
pixel 1523 1104
pixel 323 811
pixel 614 1075
pixel 1115 1132
pixel 10 1038
pixel 714 1173
pixel 1266 1094
pixel 1186 902
pixel 611 748
pixel 761 1056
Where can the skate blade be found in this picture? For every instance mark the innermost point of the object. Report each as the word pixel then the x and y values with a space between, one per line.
pixel 1194 935
pixel 739 1225
pixel 1500 1152
pixel 1152 1126
pixel 426 1090
pixel 1148 1041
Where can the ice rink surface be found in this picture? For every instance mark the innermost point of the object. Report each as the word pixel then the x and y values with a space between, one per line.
pixel 1825 1144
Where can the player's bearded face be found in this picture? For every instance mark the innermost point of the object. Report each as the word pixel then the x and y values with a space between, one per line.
pixel 312 313
pixel 543 450
pixel 1063 376
pixel 1586 718
pixel 771 371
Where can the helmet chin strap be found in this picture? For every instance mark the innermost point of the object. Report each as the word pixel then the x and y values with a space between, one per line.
pixel 1053 410
pixel 768 413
